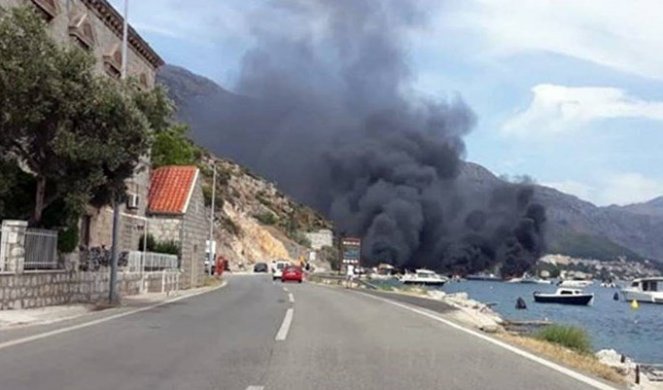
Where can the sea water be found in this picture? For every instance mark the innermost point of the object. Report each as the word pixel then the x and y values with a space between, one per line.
pixel 611 324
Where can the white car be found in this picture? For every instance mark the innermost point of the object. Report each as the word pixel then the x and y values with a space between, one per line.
pixel 277 269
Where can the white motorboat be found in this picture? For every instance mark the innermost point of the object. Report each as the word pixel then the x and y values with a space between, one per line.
pixel 575 283
pixel 526 279
pixel 645 290
pixel 423 277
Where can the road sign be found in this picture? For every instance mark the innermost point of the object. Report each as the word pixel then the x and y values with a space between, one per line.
pixel 351 248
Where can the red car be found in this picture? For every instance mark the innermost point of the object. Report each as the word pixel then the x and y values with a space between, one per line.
pixel 292 273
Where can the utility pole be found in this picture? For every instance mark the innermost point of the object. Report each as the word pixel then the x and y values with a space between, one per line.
pixel 210 255
pixel 112 295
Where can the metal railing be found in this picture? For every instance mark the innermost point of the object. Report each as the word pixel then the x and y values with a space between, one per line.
pixel 41 249
pixel 150 261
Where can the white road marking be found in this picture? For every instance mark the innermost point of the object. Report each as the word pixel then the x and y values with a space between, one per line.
pixel 291 298
pixel 255 388
pixel 285 289
pixel 285 326
pixel 39 336
pixel 575 375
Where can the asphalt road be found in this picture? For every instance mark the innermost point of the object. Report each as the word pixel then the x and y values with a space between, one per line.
pixel 236 338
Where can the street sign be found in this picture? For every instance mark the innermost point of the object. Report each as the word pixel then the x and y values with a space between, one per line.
pixel 351 248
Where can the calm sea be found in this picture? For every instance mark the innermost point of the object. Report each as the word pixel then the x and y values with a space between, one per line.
pixel 611 324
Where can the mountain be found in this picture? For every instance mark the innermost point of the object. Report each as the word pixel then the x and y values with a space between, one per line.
pixel 575 227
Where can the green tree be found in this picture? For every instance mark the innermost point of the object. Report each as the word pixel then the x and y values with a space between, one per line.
pixel 172 147
pixel 79 135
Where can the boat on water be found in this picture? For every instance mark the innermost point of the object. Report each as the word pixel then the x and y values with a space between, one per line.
pixel 423 277
pixel 575 283
pixel 648 290
pixel 526 279
pixel 484 277
pixel 564 296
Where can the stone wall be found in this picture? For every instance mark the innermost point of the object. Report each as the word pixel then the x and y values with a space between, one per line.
pixel 165 228
pixel 194 235
pixel 44 288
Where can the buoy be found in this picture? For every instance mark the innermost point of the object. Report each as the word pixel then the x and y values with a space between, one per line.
pixel 616 297
pixel 634 304
pixel 520 304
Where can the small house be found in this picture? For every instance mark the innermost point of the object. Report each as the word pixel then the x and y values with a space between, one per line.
pixel 176 211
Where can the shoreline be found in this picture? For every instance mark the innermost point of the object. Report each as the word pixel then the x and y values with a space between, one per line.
pixel 607 364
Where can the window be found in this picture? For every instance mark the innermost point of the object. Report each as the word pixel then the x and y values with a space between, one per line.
pixel 48 8
pixel 113 61
pixel 82 31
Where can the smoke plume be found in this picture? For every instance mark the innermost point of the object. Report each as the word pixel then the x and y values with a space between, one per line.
pixel 328 112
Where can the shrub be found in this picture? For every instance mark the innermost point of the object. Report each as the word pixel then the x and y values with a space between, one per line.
pixel 266 218
pixel 68 239
pixel 571 337
pixel 170 247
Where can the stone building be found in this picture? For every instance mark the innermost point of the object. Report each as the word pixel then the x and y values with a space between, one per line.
pixel 176 212
pixel 96 27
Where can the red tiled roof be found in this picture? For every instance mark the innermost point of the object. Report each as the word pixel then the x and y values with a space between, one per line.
pixel 170 189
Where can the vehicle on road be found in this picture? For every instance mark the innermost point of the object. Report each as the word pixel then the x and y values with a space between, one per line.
pixel 564 296
pixel 260 268
pixel 424 277
pixel 648 290
pixel 277 269
pixel 292 273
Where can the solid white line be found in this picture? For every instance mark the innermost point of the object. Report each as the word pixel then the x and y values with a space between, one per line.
pixel 285 326
pixel 291 298
pixel 255 388
pixel 575 375
pixel 39 336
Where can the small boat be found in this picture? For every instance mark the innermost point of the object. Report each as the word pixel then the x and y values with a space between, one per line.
pixel 526 279
pixel 575 283
pixel 424 277
pixel 484 277
pixel 565 296
pixel 648 290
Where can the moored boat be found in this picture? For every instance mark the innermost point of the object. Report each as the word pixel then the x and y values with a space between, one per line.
pixel 575 283
pixel 564 296
pixel 484 277
pixel 424 277
pixel 648 290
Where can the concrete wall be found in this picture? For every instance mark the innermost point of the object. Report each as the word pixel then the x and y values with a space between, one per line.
pixel 194 235
pixel 44 288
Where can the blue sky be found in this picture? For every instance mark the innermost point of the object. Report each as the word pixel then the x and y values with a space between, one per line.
pixel 568 92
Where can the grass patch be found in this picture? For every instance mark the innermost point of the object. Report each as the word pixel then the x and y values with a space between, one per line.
pixel 570 337
pixel 210 281
pixel 564 356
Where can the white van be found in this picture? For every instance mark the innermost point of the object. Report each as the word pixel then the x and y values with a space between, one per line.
pixel 277 269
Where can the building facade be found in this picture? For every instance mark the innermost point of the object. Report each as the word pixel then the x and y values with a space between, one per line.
pixel 96 27
pixel 177 213
pixel 321 238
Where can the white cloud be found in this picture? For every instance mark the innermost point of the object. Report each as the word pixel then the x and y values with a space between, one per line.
pixel 556 109
pixel 623 35
pixel 618 188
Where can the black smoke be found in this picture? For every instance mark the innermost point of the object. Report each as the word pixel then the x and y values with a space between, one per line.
pixel 329 113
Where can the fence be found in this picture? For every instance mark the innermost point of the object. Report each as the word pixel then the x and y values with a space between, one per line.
pixel 150 261
pixel 41 249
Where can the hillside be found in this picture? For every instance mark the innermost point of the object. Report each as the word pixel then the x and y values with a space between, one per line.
pixel 255 222
pixel 575 227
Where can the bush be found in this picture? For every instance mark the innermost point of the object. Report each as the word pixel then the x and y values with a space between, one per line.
pixel 68 239
pixel 571 337
pixel 170 247
pixel 266 218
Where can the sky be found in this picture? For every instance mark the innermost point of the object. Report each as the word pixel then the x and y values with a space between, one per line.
pixel 569 93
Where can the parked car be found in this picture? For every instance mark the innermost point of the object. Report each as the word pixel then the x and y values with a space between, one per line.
pixel 292 273
pixel 260 268
pixel 277 269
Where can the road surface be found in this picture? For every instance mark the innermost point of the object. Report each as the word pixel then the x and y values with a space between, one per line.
pixel 254 335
